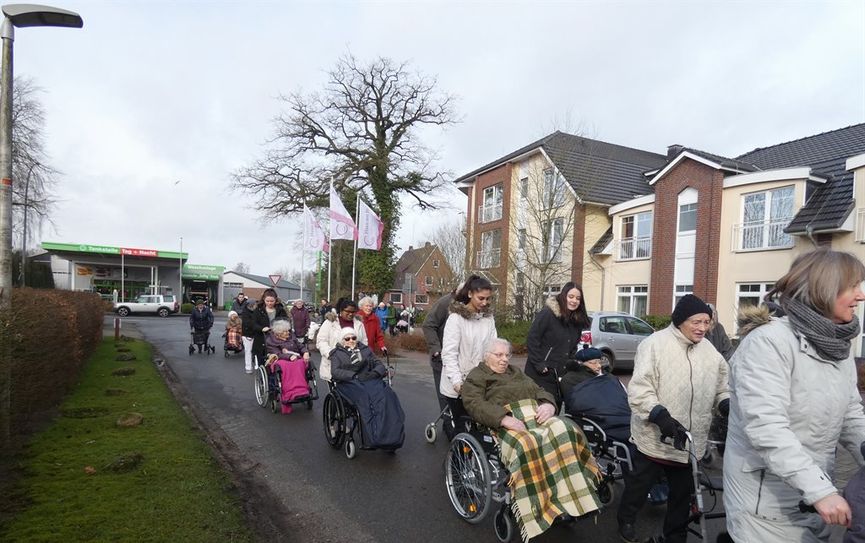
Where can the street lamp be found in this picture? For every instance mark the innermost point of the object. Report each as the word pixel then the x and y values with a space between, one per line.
pixel 20 15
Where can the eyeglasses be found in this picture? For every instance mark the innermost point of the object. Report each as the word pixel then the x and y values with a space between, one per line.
pixel 350 338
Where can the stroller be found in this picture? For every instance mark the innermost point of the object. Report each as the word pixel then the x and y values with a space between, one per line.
pixel 200 339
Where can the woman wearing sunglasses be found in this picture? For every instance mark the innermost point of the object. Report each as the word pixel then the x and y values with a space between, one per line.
pixel 330 335
pixel 359 377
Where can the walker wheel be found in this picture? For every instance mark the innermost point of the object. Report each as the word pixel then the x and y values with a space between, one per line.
pixel 606 493
pixel 430 432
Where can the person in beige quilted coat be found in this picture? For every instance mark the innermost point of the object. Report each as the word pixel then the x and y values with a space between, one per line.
pixel 679 378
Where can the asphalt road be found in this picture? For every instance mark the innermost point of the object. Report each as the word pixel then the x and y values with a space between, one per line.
pixel 376 497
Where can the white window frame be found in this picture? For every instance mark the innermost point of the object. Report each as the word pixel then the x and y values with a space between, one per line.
pixel 638 246
pixel 554 189
pixel 421 299
pixel 691 206
pixel 552 250
pixel 680 291
pixel 396 297
pixel 524 188
pixel 428 280
pixel 490 255
pixel 763 288
pixel 631 293
pixel 766 233
pixel 492 204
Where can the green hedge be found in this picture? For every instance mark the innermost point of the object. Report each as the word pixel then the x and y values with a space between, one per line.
pixel 658 321
pixel 51 333
pixel 186 308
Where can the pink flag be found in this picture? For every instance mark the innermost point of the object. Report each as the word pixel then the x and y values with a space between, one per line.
pixel 369 228
pixel 312 233
pixel 341 225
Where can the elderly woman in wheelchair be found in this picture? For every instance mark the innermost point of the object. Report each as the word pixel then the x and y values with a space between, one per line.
pixel 544 460
pixel 361 398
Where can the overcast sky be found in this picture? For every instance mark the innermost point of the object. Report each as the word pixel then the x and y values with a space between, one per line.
pixel 152 104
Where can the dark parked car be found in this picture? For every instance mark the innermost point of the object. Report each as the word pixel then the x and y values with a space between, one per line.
pixel 617 336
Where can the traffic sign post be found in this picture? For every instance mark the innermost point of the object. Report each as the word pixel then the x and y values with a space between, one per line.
pixel 275 279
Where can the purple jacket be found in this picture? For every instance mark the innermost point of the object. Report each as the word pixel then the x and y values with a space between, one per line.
pixel 274 345
pixel 299 320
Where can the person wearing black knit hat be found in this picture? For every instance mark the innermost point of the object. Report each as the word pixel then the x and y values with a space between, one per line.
pixel 678 380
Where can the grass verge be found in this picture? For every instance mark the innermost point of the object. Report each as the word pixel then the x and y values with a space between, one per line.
pixel 87 479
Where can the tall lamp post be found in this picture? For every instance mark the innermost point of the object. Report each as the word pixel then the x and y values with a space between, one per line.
pixel 20 15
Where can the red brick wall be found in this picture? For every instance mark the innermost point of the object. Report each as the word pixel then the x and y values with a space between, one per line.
pixel 709 184
pixel 502 175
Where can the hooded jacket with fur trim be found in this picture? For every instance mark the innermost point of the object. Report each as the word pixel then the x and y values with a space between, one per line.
pixel 465 337
pixel 549 342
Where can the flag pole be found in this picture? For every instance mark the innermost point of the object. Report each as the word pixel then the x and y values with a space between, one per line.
pixel 303 250
pixel 354 257
pixel 329 250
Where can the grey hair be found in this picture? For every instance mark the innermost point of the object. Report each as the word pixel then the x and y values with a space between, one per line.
pixel 364 301
pixel 491 344
pixel 281 326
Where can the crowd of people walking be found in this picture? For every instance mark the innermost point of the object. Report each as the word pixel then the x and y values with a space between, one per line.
pixel 789 391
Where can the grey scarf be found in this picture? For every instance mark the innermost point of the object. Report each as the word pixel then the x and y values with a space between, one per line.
pixel 831 340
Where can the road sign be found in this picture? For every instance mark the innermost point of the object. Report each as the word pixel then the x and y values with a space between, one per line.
pixel 275 279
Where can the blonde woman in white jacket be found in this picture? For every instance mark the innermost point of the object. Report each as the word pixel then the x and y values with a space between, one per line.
pixel 468 328
pixel 330 333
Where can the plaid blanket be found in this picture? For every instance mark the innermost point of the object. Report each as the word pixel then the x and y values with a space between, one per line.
pixel 552 470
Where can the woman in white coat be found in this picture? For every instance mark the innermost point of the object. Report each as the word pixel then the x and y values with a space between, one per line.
pixel 330 333
pixel 793 400
pixel 468 328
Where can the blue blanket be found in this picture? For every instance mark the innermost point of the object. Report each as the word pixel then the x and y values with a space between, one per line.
pixel 381 415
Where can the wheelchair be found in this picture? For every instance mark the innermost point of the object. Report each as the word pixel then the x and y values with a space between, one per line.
pixel 268 386
pixel 613 457
pixel 477 480
pixel 341 419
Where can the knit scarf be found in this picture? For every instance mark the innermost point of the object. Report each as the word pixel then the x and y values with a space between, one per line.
pixel 831 340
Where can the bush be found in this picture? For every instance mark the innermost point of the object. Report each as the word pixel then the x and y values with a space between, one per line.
pixel 186 308
pixel 516 332
pixel 51 333
pixel 409 342
pixel 658 321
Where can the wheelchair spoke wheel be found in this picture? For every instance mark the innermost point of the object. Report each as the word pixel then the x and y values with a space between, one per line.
pixel 468 478
pixel 334 421
pixel 261 392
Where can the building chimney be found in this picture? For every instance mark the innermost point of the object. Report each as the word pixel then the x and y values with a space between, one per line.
pixel 673 150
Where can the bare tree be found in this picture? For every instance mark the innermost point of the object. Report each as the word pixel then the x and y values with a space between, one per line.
pixel 240 267
pixel 451 241
pixel 542 225
pixel 34 176
pixel 362 130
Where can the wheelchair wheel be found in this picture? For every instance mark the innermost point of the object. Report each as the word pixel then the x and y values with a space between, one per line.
pixel 261 388
pixel 334 421
pixel 468 478
pixel 504 523
pixel 430 432
pixel 225 353
pixel 350 449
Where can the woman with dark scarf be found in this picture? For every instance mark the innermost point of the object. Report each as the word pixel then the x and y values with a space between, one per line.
pixel 793 400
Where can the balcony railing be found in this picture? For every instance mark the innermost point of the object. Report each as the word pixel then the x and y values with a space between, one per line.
pixel 489 259
pixel 755 236
pixel 489 213
pixel 635 248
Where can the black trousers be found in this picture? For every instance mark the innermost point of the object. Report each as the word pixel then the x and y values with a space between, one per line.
pixel 637 485
pixel 437 377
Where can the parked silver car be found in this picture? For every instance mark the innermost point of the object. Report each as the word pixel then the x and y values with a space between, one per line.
pixel 616 335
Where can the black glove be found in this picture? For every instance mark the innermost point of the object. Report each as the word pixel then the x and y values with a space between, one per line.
pixel 670 427
pixel 724 407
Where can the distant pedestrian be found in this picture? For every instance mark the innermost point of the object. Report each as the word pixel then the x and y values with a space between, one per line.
pixel 718 337
pixel 239 303
pixel 381 313
pixel 374 337
pixel 554 335
pixel 323 309
pixel 299 319
pixel 247 318
pixel 391 319
pixel 201 320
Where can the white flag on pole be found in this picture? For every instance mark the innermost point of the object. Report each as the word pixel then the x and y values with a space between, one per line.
pixel 369 228
pixel 341 225
pixel 313 233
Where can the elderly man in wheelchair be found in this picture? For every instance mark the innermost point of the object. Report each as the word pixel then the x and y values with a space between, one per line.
pixel 544 460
